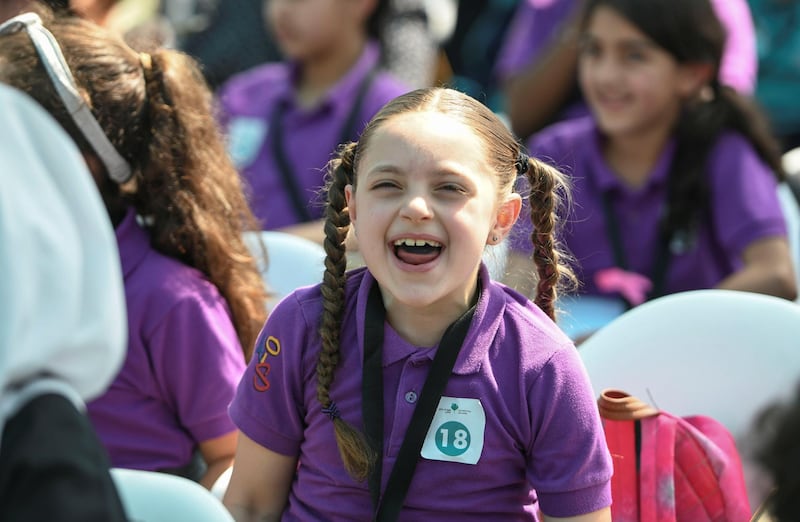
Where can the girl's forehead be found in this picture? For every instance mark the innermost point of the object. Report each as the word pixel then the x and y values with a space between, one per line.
pixel 428 132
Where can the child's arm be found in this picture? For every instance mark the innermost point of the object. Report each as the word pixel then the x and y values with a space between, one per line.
pixel 767 269
pixel 260 482
pixel 218 454
pixel 601 515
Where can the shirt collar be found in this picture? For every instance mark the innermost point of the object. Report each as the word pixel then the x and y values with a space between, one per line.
pixel 342 92
pixel 606 180
pixel 133 242
pixel 485 324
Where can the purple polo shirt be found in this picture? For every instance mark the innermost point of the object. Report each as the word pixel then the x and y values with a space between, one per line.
pixel 543 436
pixel 537 23
pixel 182 366
pixel 310 135
pixel 744 207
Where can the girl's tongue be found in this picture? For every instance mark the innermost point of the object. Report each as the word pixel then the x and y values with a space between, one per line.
pixel 417 255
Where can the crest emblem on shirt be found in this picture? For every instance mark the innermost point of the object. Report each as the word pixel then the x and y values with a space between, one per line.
pixel 271 347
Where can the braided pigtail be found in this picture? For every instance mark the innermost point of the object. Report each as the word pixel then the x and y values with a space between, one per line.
pixel 546 186
pixel 354 449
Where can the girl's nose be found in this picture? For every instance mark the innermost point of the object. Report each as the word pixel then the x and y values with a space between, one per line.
pixel 605 71
pixel 416 208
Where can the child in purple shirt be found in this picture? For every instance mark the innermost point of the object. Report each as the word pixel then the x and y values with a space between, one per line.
pixel 194 296
pixel 285 120
pixel 448 395
pixel 674 176
pixel 537 62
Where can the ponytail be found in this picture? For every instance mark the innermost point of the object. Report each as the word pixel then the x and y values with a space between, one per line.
pixel 698 129
pixel 191 193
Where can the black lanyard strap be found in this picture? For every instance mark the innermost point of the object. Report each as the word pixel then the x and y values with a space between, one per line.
pixel 287 172
pixel 388 508
pixel 663 253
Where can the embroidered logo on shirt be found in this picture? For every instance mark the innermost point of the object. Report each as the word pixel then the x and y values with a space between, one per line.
pixel 271 346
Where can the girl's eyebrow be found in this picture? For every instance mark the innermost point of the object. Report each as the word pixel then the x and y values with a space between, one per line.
pixel 634 42
pixel 384 168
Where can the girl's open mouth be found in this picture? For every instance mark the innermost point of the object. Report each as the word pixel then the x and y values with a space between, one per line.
pixel 417 251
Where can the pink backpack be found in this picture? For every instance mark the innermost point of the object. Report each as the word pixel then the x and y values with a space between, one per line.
pixel 668 468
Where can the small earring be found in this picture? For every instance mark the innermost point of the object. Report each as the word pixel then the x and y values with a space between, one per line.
pixel 494 238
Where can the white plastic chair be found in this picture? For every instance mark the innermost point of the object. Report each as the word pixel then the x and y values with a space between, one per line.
pixel 149 496
pixel 791 207
pixel 292 261
pixel 720 353
pixel 220 485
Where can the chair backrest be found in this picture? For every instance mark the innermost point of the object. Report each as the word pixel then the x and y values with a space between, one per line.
pixel 291 261
pixel 720 353
pixel 149 496
pixel 790 207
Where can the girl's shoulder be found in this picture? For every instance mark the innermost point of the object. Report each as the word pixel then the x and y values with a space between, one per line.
pixel 732 150
pixel 385 87
pixel 568 137
pixel 524 322
pixel 250 90
pixel 168 281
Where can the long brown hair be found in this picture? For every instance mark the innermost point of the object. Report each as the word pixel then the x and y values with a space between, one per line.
pixel 506 158
pixel 158 114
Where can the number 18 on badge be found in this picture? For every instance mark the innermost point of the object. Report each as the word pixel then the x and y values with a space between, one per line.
pixel 456 431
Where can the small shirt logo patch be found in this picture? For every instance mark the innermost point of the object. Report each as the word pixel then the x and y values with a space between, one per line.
pixel 245 137
pixel 456 431
pixel 270 347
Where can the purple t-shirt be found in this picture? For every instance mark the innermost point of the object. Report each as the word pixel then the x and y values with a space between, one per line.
pixel 182 366
pixel 537 23
pixel 542 435
pixel 310 136
pixel 744 207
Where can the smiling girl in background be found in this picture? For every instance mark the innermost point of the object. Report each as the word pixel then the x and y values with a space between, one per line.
pixel 674 174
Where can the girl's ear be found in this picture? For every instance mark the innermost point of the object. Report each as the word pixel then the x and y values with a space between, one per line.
pixel 693 77
pixel 506 216
pixel 350 198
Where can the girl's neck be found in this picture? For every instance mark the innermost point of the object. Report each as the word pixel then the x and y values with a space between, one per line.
pixel 322 72
pixel 633 157
pixel 424 327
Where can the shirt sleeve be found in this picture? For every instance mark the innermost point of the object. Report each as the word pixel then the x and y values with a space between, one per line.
pixel 269 406
pixel 745 205
pixel 198 360
pixel 570 465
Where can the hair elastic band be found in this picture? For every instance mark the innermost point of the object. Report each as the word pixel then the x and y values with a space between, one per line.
pixel 57 69
pixel 147 62
pixel 332 411
pixel 522 163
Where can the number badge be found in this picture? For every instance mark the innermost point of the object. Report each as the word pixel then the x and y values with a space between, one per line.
pixel 456 432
